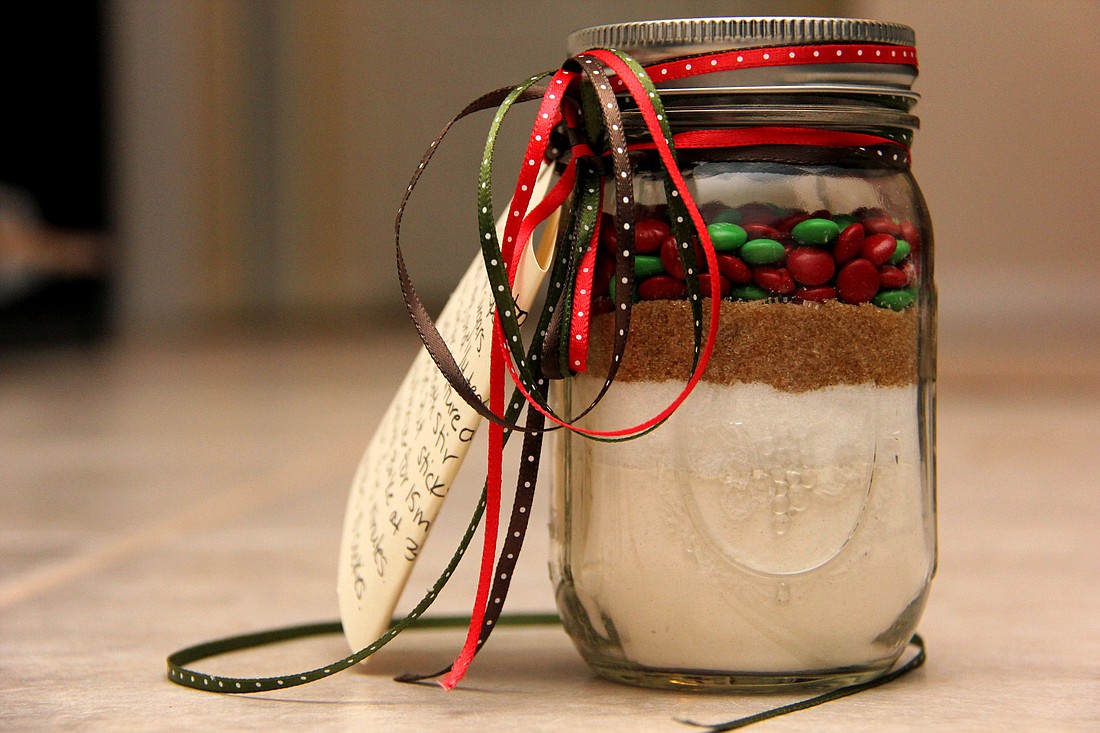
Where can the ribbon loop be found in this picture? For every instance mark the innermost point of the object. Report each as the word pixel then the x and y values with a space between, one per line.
pixel 579 126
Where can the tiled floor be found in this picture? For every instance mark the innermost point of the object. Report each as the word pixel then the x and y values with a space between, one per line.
pixel 157 494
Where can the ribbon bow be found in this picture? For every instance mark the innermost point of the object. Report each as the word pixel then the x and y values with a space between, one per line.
pixel 582 94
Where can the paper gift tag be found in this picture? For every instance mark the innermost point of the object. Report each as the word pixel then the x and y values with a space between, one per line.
pixel 418 447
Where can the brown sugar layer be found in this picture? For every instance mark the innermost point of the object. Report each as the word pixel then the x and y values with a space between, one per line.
pixel 794 347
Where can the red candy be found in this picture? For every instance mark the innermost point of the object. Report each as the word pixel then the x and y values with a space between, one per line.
pixel 879 248
pixel 892 277
pixel 910 234
pixel 656 211
pixel 734 269
pixel 849 243
pixel 882 225
pixel 854 270
pixel 815 294
pixel 857 281
pixel 724 286
pixel 762 231
pixel 810 265
pixel 787 224
pixel 670 258
pixel 649 235
pixel 602 304
pixel 662 287
pixel 605 270
pixel 756 214
pixel 609 238
pixel 775 279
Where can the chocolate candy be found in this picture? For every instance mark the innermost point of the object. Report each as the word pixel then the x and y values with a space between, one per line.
pixel 882 224
pixel 670 258
pixel 609 237
pixel 602 304
pixel 731 216
pixel 647 266
pixel 726 237
pixel 892 277
pixel 843 221
pixel 762 231
pixel 762 252
pixel 757 213
pixel 733 269
pixel 662 287
pixel 849 243
pixel 900 253
pixel 895 300
pixel 766 251
pixel 910 234
pixel 748 292
pixel 789 222
pixel 816 232
pixel 704 285
pixel 815 294
pixel 605 270
pixel 857 281
pixel 650 234
pixel 811 266
pixel 879 248
pixel 775 280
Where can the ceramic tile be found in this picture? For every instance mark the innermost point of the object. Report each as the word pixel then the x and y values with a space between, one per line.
pixel 156 495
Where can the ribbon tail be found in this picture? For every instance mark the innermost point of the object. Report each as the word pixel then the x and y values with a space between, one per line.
pixel 492 518
pixel 582 300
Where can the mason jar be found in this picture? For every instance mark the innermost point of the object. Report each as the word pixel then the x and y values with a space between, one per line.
pixel 778 530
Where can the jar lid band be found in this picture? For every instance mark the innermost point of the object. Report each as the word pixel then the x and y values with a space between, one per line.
pixel 652 40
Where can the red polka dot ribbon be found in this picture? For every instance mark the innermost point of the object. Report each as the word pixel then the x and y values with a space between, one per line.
pixel 754 58
pixel 582 94
pixel 603 68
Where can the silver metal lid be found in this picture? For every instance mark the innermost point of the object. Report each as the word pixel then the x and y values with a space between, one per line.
pixel 652 40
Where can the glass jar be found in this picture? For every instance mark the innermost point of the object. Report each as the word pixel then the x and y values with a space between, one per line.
pixel 779 529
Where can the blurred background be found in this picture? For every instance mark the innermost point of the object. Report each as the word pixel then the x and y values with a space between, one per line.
pixel 182 166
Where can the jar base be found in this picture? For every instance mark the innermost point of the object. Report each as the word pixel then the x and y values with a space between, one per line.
pixel 746 682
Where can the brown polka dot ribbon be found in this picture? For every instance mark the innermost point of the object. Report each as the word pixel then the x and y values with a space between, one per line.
pixel 584 98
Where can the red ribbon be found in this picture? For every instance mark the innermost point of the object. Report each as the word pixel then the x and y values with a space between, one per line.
pixel 746 136
pixel 751 58
pixel 520 226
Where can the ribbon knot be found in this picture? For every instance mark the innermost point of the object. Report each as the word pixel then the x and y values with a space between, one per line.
pixel 582 96
pixel 579 127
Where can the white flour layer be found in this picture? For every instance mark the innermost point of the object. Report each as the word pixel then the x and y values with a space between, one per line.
pixel 757 530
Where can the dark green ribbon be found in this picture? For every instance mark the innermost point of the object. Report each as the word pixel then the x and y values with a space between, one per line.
pixel 602 134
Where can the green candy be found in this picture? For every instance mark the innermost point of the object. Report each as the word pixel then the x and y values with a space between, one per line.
pixel 748 292
pixel 895 300
pixel 816 232
pixel 900 253
pixel 647 266
pixel 726 236
pixel 843 221
pixel 728 216
pixel 762 252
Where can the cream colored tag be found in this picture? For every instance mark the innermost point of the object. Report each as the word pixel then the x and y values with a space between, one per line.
pixel 418 448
